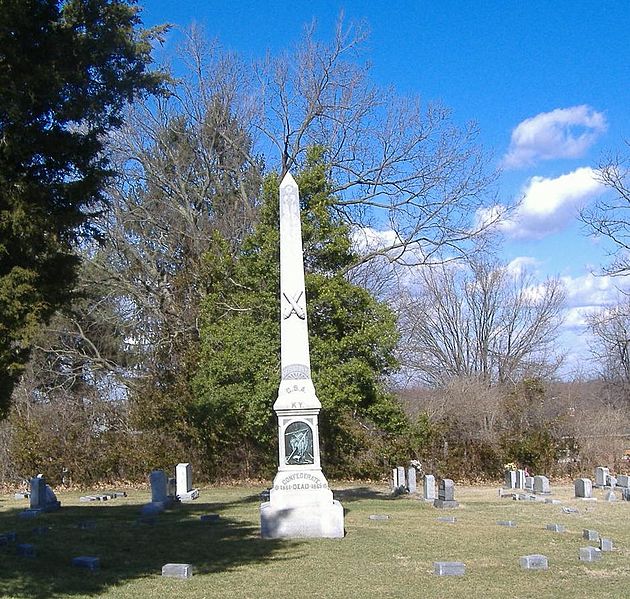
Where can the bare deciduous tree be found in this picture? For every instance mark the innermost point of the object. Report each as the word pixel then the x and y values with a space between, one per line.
pixel 399 165
pixel 479 321
pixel 610 343
pixel 610 216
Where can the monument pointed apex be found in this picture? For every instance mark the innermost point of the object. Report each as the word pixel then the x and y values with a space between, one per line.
pixel 288 180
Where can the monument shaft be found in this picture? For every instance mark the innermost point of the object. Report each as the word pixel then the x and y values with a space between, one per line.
pixel 300 502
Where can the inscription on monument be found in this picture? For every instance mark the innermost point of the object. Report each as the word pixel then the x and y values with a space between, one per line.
pixel 298 443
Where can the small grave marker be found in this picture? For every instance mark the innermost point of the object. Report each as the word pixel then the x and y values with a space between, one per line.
pixel 590 535
pixel 508 523
pixel 590 554
pixel 605 544
pixel 213 518
pixel 177 570
pixel 411 480
pixel 449 568
pixel 556 527
pixel 87 562
pixel 534 562
pixel 448 519
pixel 25 550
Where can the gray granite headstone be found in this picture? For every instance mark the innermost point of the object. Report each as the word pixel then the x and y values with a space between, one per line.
pixel 449 568
pixel 159 491
pixel 583 488
pixel 605 544
pixel 590 554
pixel 446 495
pixel 510 479
pixel 601 476
pixel 529 483
pixel 541 485
pixel 623 480
pixel 556 527
pixel 534 562
pixel 177 570
pixel 508 523
pixel 610 496
pixel 590 535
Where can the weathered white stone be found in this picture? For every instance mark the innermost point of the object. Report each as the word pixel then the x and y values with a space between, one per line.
pixel 184 490
pixel 300 503
pixel 159 482
pixel 510 479
pixel 411 480
pixel 520 479
pixel 429 487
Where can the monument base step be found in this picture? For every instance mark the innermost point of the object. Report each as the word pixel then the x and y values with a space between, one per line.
pixel 321 520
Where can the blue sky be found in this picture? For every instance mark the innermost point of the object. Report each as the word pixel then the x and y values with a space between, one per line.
pixel 547 82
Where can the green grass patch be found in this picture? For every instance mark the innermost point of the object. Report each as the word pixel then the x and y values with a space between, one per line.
pixel 377 558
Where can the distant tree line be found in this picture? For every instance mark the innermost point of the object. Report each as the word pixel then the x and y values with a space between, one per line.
pixel 161 341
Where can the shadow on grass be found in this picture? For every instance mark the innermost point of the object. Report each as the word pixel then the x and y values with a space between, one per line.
pixel 360 493
pixel 128 549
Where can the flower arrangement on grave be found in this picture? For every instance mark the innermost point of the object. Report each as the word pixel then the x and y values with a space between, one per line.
pixel 510 466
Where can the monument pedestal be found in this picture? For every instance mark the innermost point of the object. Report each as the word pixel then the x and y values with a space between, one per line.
pixel 301 506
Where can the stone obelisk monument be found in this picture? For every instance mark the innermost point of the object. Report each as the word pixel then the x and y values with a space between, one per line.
pixel 300 502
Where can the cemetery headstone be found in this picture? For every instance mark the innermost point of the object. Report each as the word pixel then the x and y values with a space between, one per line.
pixel 429 487
pixel 590 554
pixel 508 523
pixel 534 562
pixel 411 480
pixel 446 495
pixel 590 535
pixel 623 480
pixel 541 485
pixel 449 568
pixel 42 496
pixel 601 476
pixel 556 527
pixel 529 483
pixel 86 561
pixel 610 496
pixel 611 481
pixel 379 517
pixel 185 491
pixel 520 479
pixel 25 550
pixel 159 487
pixel 605 544
pixel 510 479
pixel 212 518
pixel 448 519
pixel 584 488
pixel 177 570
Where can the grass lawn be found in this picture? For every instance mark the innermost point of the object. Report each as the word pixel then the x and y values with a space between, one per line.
pixel 377 558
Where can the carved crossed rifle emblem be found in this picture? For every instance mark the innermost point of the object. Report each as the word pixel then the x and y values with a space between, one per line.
pixel 294 307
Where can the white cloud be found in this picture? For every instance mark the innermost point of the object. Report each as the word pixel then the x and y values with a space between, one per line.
pixel 590 292
pixel 561 133
pixel 522 264
pixel 548 205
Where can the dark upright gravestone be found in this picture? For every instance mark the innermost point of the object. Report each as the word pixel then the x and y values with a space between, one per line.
pixel 446 495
